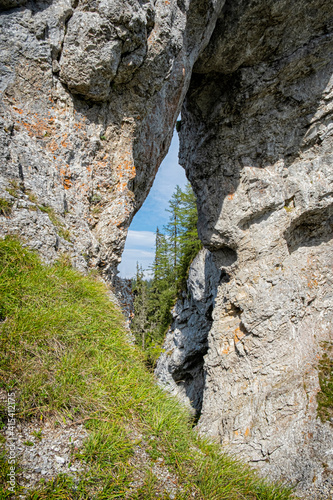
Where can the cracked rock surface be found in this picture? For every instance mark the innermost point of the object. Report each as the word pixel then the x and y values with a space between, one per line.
pixel 256 142
pixel 180 366
pixel 90 92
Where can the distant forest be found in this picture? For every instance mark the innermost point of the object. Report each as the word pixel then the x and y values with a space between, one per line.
pixel 175 247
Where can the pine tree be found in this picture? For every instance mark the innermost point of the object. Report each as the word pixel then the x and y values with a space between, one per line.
pixel 175 248
pixel 189 242
pixel 161 267
pixel 173 228
pixel 141 306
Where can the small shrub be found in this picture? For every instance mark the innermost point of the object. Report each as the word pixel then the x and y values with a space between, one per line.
pixel 325 396
pixel 5 207
pixel 37 434
pixel 61 229
pixel 28 443
pixel 95 198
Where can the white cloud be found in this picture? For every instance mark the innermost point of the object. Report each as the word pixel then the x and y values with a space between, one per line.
pixel 169 175
pixel 140 247
pixel 127 267
pixel 140 239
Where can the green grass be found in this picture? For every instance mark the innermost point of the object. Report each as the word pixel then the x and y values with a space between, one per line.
pixel 62 231
pixel 325 396
pixel 64 352
pixel 5 207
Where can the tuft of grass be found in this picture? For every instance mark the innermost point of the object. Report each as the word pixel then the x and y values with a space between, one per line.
pixel 37 434
pixel 14 188
pixel 62 231
pixel 65 353
pixel 31 196
pixel 4 474
pixel 12 191
pixel 28 443
pixel 5 207
pixel 325 396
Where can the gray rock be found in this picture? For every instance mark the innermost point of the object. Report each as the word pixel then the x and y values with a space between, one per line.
pixel 180 367
pixel 90 56
pixel 256 142
pixel 59 460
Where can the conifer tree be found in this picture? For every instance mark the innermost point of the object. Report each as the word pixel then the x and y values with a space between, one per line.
pixel 173 228
pixel 175 248
pixel 140 323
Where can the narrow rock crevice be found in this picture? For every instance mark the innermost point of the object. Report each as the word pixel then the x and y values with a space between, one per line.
pixel 181 366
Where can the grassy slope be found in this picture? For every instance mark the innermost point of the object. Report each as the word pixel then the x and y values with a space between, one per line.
pixel 64 351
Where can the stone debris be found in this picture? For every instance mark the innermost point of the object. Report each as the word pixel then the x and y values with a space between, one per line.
pixel 44 450
pixel 143 464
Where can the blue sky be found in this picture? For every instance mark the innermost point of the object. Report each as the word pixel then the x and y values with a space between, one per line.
pixel 140 243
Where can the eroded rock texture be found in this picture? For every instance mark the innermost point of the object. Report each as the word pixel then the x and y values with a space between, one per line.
pixel 180 366
pixel 256 142
pixel 90 94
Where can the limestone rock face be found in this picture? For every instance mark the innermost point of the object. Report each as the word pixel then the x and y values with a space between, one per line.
pixel 256 142
pixel 180 367
pixel 90 91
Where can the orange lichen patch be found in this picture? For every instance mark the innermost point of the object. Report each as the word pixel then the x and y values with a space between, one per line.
pixel 247 432
pixel 66 176
pixel 151 36
pixel 126 166
pixel 226 349
pixel 125 171
pixel 65 143
pixel 238 334
pixel 35 124
pixel 52 146
pixel 101 164
pixel 312 283
pixel 236 433
pixel 79 125
pixel 231 196
pixel 121 187
pixel 311 262
pixel 18 110
pixel 84 188
pixel 67 183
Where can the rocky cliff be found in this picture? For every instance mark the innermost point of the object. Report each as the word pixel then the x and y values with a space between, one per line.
pixel 90 94
pixel 256 142
pixel 180 368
